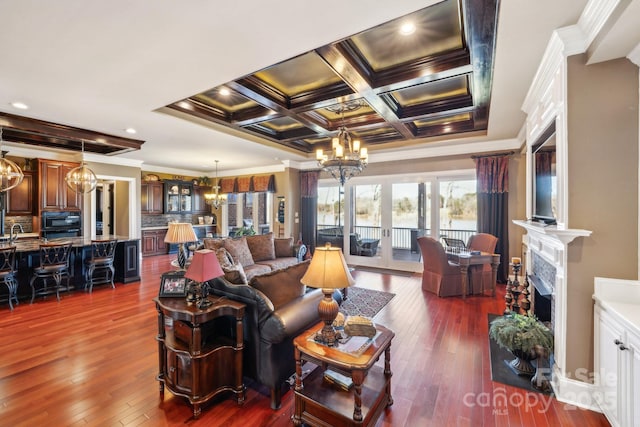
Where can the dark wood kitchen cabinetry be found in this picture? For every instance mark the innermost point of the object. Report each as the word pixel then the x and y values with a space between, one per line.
pixel 128 262
pixel 19 200
pixel 54 194
pixel 153 242
pixel 177 197
pixel 199 202
pixel 151 197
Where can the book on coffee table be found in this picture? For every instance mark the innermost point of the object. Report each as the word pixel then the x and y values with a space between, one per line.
pixel 336 378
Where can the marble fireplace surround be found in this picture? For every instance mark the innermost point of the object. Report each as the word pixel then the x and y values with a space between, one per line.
pixel 550 245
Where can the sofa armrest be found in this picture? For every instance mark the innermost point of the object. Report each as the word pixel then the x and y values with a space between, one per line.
pixel 245 294
pixel 292 318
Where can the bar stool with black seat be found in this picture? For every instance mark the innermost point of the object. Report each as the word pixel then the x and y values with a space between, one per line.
pixel 101 262
pixel 54 264
pixel 8 272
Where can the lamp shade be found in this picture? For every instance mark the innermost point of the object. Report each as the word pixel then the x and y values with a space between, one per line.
pixel 180 232
pixel 204 266
pixel 328 270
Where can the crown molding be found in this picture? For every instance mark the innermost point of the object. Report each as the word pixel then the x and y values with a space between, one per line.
pixel 594 17
pixel 634 55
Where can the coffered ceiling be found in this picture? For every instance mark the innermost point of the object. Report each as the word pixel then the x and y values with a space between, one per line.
pixel 93 69
pixel 431 80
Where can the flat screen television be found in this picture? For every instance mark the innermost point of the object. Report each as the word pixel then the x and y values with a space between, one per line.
pixel 545 184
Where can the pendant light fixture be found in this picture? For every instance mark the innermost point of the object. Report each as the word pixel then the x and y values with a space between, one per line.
pixel 214 198
pixel 81 179
pixel 10 174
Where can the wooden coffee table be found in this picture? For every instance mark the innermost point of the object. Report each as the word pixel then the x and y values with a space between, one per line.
pixel 320 403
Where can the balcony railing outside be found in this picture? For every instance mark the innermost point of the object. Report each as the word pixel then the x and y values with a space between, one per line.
pixel 402 237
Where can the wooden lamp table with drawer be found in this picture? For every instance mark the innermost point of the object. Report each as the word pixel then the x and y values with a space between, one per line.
pixel 319 403
pixel 200 350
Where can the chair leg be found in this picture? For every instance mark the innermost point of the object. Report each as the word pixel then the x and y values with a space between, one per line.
pixel 11 286
pixel 57 279
pixel 33 289
pixel 113 273
pixel 276 397
pixel 89 283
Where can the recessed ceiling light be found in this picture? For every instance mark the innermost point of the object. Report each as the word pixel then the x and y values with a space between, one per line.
pixel 407 29
pixel 224 91
pixel 132 131
pixel 19 105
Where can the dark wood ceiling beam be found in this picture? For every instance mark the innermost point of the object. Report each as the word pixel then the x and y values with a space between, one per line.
pixel 72 137
pixel 481 21
pixel 343 65
pixel 276 106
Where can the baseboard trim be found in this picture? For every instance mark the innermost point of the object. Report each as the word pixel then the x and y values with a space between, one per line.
pixel 573 392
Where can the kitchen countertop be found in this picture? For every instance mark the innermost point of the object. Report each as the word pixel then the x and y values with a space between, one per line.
pixel 31 245
pixel 164 227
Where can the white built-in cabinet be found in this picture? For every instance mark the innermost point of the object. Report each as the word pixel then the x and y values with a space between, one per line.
pixel 617 350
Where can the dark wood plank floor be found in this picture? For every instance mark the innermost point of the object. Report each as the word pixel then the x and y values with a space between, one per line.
pixel 92 360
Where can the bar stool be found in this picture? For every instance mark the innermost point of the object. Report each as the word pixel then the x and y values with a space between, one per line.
pixel 101 261
pixel 8 272
pixel 54 264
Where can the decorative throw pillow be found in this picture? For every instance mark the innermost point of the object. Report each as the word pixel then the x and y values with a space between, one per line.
pixel 234 273
pixel 282 286
pixel 283 247
pixel 224 258
pixel 213 244
pixel 261 247
pixel 239 250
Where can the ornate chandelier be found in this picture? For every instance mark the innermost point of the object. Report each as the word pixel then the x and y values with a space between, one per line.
pixel 347 158
pixel 214 198
pixel 10 174
pixel 81 179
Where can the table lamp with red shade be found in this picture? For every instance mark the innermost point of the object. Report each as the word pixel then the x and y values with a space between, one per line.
pixel 204 267
pixel 328 270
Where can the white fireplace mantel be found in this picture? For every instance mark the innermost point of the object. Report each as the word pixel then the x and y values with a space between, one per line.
pixel 564 235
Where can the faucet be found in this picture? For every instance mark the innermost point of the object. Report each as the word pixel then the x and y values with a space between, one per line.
pixel 14 237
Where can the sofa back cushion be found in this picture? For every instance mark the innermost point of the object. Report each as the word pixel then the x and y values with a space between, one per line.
pixel 283 247
pixel 261 247
pixel 282 286
pixel 239 250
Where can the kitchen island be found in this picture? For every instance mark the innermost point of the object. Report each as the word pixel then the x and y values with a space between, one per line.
pixel 126 261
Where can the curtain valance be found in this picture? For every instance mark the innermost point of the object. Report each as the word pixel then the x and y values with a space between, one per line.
pixel 248 184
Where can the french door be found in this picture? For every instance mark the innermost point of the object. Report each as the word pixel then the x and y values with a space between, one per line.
pixel 384 216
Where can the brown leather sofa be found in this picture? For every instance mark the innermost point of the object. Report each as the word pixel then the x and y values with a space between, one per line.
pixel 278 308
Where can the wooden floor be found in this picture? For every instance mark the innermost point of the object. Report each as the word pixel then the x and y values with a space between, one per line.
pixel 92 360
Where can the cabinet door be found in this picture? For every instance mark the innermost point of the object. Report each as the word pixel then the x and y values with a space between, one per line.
pixel 179 371
pixel 145 200
pixel 199 202
pixel 71 199
pixel 149 243
pixel 633 411
pixel 609 356
pixel 20 198
pixel 50 176
pixel 156 190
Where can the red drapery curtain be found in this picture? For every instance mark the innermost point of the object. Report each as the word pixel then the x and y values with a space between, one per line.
pixel 492 178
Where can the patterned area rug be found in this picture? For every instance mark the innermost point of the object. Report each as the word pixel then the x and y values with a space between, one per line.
pixel 364 302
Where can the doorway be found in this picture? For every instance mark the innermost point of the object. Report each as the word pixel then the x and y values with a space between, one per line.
pixel 104 216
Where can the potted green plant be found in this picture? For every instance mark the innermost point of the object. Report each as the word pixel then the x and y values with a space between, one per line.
pixel 521 334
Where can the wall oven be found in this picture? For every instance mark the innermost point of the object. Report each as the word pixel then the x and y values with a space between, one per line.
pixel 61 224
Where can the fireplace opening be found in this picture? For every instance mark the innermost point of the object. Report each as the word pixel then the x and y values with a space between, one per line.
pixel 542 299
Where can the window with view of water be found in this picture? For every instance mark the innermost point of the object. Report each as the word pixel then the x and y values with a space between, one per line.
pixel 458 208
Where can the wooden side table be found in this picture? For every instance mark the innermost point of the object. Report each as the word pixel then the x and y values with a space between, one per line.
pixel 319 403
pixel 200 350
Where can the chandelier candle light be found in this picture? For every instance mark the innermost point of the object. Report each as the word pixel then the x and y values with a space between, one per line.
pixel 10 174
pixel 180 233
pixel 81 179
pixel 348 158
pixel 215 199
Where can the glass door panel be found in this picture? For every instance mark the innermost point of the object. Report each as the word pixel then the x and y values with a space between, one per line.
pixel 366 222
pixel 407 220
pixel 458 209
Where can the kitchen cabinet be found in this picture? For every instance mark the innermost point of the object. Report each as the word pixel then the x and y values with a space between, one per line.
pixel 199 202
pixel 20 199
pixel 617 359
pixel 54 194
pixel 177 197
pixel 127 261
pixel 151 197
pixel 153 242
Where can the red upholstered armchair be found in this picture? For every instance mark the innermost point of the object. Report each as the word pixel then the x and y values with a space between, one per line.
pixel 480 275
pixel 439 275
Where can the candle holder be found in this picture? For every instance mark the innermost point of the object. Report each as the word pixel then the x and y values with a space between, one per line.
pixel 514 289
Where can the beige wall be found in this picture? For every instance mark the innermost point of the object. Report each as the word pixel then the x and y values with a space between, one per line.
pixel 603 189
pixel 122 203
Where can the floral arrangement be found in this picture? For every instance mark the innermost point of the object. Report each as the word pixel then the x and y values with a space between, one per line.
pixel 520 333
